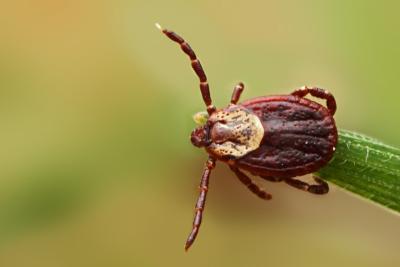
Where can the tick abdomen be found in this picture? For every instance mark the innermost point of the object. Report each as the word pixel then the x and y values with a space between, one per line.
pixel 299 136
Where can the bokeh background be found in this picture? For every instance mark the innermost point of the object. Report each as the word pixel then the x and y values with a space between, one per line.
pixel 96 168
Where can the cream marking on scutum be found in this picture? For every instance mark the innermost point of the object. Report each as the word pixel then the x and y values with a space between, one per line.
pixel 242 130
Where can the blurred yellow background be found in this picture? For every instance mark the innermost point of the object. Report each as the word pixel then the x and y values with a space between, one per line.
pixel 96 168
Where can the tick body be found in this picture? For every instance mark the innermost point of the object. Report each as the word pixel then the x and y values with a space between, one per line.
pixel 275 137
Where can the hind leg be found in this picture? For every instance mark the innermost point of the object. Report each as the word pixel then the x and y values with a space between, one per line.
pixel 320 188
pixel 319 93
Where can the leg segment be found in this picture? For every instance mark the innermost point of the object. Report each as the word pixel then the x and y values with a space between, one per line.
pixel 196 65
pixel 237 91
pixel 250 184
pixel 320 93
pixel 320 188
pixel 272 179
pixel 201 201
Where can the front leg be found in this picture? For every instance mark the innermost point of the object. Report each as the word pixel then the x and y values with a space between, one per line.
pixel 250 184
pixel 237 91
pixel 201 201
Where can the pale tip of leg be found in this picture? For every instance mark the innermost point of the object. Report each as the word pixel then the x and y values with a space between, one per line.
pixel 159 26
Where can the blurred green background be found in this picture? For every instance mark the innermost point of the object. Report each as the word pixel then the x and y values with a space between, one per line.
pixel 96 168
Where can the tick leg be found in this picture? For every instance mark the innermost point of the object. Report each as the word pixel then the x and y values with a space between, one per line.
pixel 196 65
pixel 237 91
pixel 320 188
pixel 272 179
pixel 319 93
pixel 201 201
pixel 250 184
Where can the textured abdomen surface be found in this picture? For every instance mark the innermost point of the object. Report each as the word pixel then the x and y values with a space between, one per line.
pixel 300 137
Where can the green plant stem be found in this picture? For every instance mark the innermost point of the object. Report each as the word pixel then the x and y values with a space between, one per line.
pixel 366 167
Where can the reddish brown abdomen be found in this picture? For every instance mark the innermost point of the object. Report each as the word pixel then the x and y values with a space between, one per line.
pixel 300 137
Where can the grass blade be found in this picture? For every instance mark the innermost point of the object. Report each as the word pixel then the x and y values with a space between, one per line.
pixel 367 167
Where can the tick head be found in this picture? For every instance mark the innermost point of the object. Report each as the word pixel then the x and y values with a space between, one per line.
pixel 200 136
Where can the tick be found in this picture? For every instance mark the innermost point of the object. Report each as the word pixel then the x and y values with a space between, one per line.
pixel 277 137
